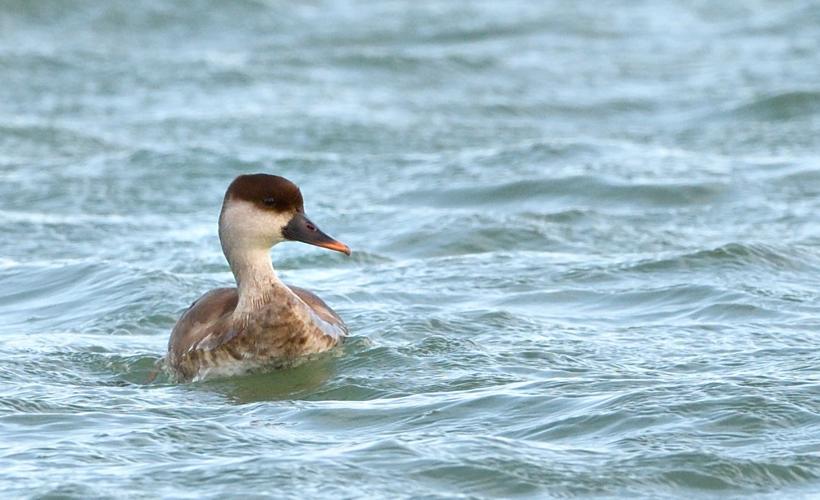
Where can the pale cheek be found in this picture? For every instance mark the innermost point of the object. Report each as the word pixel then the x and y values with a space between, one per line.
pixel 262 230
pixel 274 225
pixel 246 226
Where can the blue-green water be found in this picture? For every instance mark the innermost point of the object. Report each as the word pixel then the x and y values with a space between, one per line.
pixel 586 246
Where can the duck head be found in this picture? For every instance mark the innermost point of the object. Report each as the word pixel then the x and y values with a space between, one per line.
pixel 261 210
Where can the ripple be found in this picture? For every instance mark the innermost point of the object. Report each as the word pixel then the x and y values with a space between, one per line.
pixel 25 140
pixel 581 267
pixel 535 192
pixel 780 107
pixel 71 295
pixel 735 255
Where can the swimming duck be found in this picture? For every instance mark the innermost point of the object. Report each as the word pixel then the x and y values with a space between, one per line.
pixel 262 322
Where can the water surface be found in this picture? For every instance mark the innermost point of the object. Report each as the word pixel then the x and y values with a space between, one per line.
pixel 585 246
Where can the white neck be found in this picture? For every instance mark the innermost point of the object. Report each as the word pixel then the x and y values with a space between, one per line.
pixel 255 277
pixel 247 238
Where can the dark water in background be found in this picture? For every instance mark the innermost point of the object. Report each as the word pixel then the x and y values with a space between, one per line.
pixel 586 246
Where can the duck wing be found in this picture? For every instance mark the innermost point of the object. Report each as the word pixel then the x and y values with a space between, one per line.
pixel 205 324
pixel 319 307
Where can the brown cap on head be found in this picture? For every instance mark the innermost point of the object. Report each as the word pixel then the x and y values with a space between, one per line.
pixel 270 192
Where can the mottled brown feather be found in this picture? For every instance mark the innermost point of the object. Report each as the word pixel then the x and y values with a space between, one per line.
pixel 208 334
pixel 318 305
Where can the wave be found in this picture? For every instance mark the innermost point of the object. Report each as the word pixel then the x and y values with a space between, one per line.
pixel 33 138
pixel 782 106
pixel 87 296
pixel 586 188
pixel 733 256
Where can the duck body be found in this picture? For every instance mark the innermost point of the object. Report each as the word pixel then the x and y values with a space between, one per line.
pixel 210 340
pixel 262 323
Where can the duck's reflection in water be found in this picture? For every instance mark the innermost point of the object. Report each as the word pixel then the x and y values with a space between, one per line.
pixel 276 382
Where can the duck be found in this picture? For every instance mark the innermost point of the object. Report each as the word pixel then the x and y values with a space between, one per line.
pixel 261 322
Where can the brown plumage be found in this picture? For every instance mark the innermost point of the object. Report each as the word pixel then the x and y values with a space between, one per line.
pixel 268 192
pixel 262 323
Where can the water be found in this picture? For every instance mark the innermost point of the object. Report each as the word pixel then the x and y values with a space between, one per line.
pixel 585 246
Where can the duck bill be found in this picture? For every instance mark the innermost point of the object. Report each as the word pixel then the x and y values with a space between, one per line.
pixel 300 228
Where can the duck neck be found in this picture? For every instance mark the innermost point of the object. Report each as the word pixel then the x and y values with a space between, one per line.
pixel 255 277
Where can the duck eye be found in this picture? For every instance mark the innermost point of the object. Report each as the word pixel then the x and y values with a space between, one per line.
pixel 269 201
